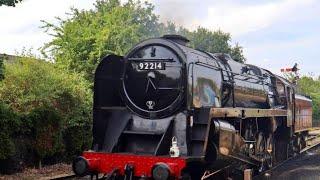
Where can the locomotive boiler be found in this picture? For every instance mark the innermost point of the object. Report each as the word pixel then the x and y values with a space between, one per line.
pixel 167 111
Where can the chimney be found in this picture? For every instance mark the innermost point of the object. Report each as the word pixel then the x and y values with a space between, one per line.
pixel 177 38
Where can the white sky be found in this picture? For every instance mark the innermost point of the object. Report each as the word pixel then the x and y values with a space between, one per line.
pixel 20 25
pixel 274 33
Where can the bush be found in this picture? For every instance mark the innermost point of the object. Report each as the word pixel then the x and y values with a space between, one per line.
pixel 9 126
pixel 77 138
pixel 31 84
pixel 46 133
pixel 40 104
pixel 1 68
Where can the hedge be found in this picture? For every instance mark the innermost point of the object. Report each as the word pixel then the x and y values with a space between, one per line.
pixel 45 113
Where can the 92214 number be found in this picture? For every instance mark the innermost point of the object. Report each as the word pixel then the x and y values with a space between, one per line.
pixel 152 66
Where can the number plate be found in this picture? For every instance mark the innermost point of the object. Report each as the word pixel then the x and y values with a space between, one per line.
pixel 151 66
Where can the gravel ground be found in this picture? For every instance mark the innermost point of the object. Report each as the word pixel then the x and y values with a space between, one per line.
pixel 46 172
pixel 303 167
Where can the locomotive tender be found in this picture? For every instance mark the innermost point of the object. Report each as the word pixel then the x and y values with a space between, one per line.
pixel 165 110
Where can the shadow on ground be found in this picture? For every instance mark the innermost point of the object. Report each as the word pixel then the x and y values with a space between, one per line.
pixel 304 167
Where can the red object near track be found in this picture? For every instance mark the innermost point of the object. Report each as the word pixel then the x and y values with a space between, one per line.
pixel 142 166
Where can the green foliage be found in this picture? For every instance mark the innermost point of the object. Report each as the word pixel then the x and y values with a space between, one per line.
pixel 236 53
pixel 210 41
pixel 9 126
pixel 42 102
pixel 77 139
pixel 310 87
pixel 111 28
pixel 9 2
pixel 215 42
pixel 46 132
pixel 31 84
pixel 1 68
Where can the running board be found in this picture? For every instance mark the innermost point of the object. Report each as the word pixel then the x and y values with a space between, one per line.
pixel 246 112
pixel 246 159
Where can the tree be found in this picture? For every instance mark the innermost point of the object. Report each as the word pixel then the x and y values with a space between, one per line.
pixel 1 68
pixel 206 40
pixel 111 28
pixel 215 42
pixel 236 53
pixel 310 87
pixel 9 2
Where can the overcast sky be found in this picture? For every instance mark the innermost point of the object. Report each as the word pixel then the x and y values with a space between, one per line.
pixel 274 33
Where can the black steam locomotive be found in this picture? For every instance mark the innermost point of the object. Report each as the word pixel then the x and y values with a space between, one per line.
pixel 167 111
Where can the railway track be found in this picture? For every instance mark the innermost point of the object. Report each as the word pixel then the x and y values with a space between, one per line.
pixel 61 177
pixel 314 143
pixel 304 166
pixel 267 174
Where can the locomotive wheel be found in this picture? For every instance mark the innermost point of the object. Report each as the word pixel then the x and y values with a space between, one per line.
pixel 261 143
pixel 280 149
pixel 281 144
pixel 298 144
pixel 262 151
pixel 270 149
